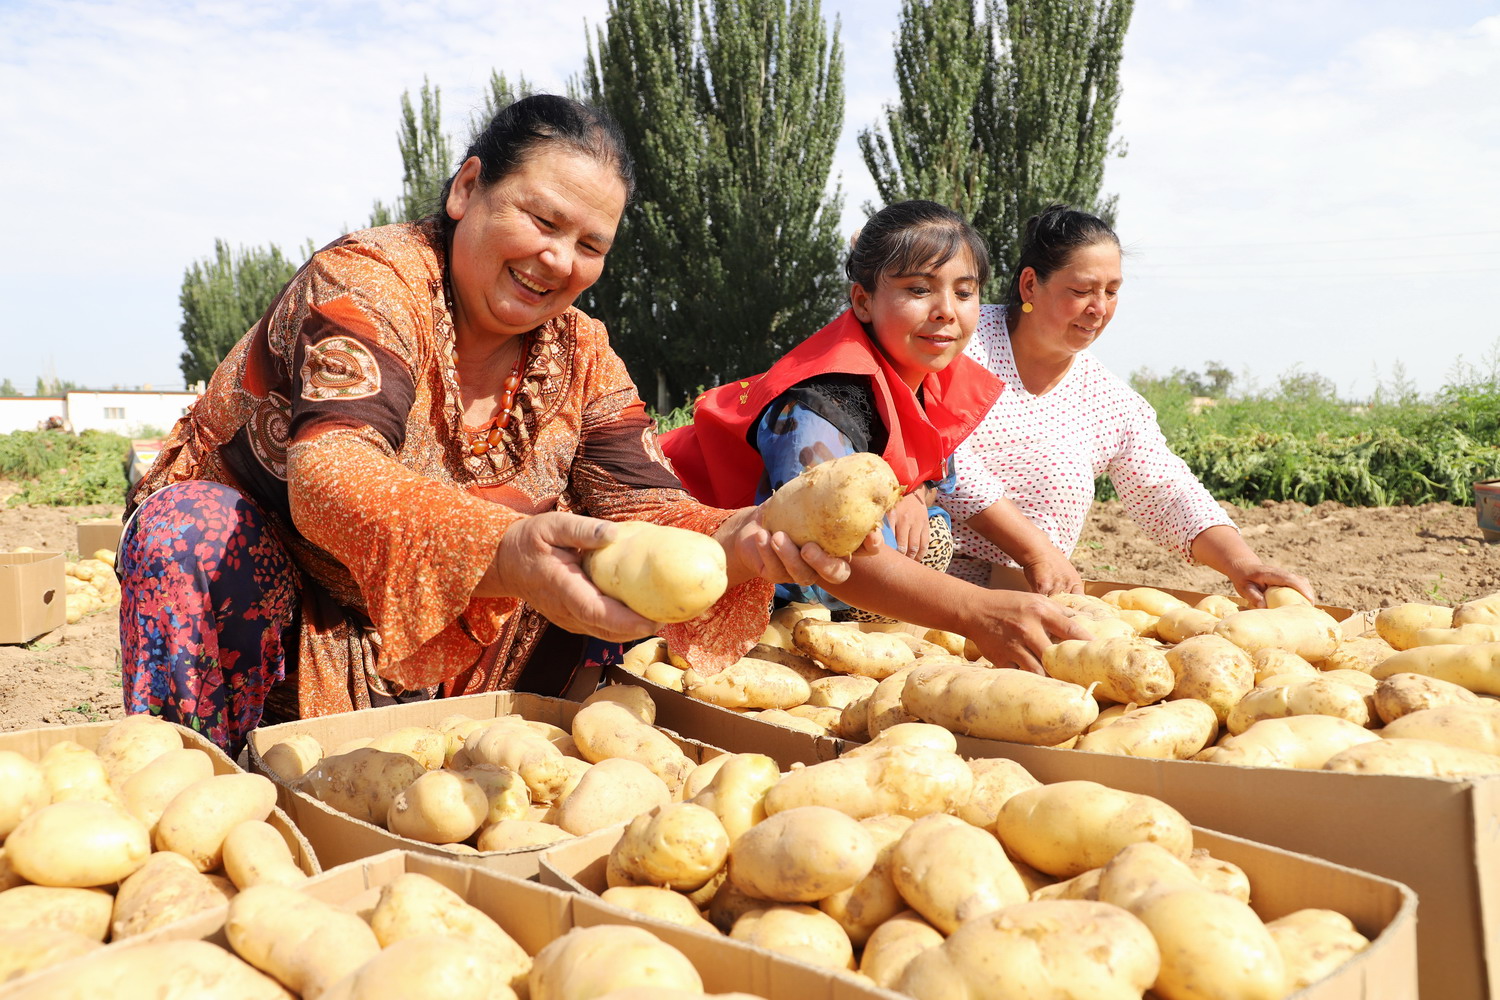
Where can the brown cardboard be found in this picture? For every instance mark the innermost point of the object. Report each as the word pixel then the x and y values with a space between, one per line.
pixel 339 838
pixel 1281 882
pixel 1440 837
pixel 32 743
pixel 33 595
pixel 98 533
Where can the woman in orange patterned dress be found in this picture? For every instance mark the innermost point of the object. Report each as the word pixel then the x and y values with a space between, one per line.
pixel 391 478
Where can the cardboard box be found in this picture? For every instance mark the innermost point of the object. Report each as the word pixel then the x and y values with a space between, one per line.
pixel 98 533
pixel 339 838
pixel 33 595
pixel 1487 508
pixel 1281 882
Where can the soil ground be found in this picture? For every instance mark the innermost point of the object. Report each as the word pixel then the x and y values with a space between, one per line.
pixel 1357 557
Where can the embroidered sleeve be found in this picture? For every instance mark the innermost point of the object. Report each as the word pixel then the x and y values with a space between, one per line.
pixel 1158 489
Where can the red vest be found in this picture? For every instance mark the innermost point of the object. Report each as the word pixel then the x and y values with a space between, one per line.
pixel 718 465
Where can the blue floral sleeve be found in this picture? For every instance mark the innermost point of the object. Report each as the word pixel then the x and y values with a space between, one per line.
pixel 791 438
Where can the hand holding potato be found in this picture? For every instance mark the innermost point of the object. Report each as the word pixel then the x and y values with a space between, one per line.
pixel 1013 629
pixel 752 550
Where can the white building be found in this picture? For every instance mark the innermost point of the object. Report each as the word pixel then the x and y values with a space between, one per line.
pixel 133 413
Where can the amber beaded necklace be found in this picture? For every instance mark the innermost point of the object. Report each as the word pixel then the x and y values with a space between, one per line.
pixel 491 434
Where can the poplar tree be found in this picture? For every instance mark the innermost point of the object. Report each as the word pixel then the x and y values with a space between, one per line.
pixel 426 159
pixel 1034 85
pixel 222 297
pixel 729 253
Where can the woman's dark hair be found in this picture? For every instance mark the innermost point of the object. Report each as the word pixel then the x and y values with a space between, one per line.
pixel 909 235
pixel 517 131
pixel 1051 238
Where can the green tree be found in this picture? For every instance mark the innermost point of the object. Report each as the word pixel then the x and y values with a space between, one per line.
pixel 1031 89
pixel 729 254
pixel 222 297
pixel 426 159
pixel 500 95
pixel 7 388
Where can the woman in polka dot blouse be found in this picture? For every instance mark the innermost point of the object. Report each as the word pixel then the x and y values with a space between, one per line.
pixel 1026 475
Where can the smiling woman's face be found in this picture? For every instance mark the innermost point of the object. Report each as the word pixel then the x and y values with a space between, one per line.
pixel 1076 302
pixel 922 320
pixel 526 246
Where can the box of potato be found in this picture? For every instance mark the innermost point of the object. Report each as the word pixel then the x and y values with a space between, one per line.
pixel 940 877
pixel 113 829
pixel 402 925
pixel 492 777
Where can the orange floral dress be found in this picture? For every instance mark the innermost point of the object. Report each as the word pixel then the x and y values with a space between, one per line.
pixel 338 415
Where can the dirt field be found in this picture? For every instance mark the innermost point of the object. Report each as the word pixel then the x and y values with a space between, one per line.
pixel 1357 557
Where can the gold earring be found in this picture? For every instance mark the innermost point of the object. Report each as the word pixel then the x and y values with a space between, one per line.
pixel 1026 307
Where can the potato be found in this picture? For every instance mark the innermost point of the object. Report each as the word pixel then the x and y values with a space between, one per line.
pixel 78 843
pixel 1148 599
pixel 608 729
pixel 901 780
pixel 1184 622
pixel 195 823
pixel 995 781
pixel 1211 945
pixel 1107 628
pixel 1313 943
pixel 1402 694
pixel 504 791
pixel 455 968
pixel 854 720
pixel 826 720
pixel 162 970
pixel 661 904
pixel 1400 624
pixel 1051 948
pixel 1427 758
pixel 24 950
pixel 256 853
pixel 1123 670
pixel 670 677
pixel 133 742
pixel 1068 827
pixel 1459 635
pixel 414 906
pixel 845 649
pixel 1300 741
pixel 1363 653
pixel 886 707
pixel 167 888
pixel 542 766
pixel 1473 726
pixel 1281 663
pixel 644 653
pixel 1211 669
pixel 1314 696
pixel 736 794
pixel 306 944
pixel 83 911
pixel 748 683
pixel 802 932
pixel 440 807
pixel 678 846
pixel 834 503
pixel 894 944
pixel 589 962
pixel 1219 876
pixel 662 573
pixel 908 734
pixel 951 872
pixel 1297 628
pixel 23 790
pixel 427 746
pixel 1481 611
pixel 519 834
pixel 992 704
pixel 1169 730
pixel 76 772
pixel 1475 667
pixel 611 791
pixel 874 899
pixel 362 782
pixel 801 855
pixel 1083 886
pixel 807 668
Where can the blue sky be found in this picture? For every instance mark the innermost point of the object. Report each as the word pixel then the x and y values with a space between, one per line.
pixel 1309 186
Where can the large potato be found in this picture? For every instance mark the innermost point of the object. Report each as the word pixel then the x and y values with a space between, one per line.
pixel 1427 758
pixel 801 855
pixel 804 933
pixel 1211 669
pixel 1298 628
pixel 1313 943
pixel 1399 625
pixel 1402 694
pixel 416 906
pixel 607 729
pixel 901 780
pixel 427 745
pixel 161 970
pixel 843 648
pixel 894 944
pixel 147 791
pixel 548 772
pixel 1177 624
pixel 1311 696
pixel 736 793
pixel 362 782
pixel 133 742
pixel 678 846
pixel 951 872
pixel 292 757
pixel 748 683
pixel 1475 667
pixel 662 573
pixel 1473 726
pixel 256 853
pixel 77 844
pixel 24 950
pixel 436 965
pixel 1300 741
pixel 995 781
pixel 590 962
pixel 82 911
pixel 306 944
pixel 23 790
pixel 75 772
pixel 1012 705
pixel 1128 671
pixel 834 503
pixel 440 807
pixel 195 823
pixel 519 835
pixel 874 899
pixel 662 904
pixel 1480 611
pixel 167 888
pixel 611 791
pixel 1169 730
pixel 1363 653
pixel 1066 828
pixel 1055 949
pixel 1148 599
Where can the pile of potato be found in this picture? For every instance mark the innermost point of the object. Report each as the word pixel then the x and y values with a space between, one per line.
pixel 105 844
pixel 1276 687
pixel 421 939
pixel 906 865
pixel 498 784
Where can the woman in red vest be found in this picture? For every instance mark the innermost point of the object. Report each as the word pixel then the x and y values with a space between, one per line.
pixel 887 376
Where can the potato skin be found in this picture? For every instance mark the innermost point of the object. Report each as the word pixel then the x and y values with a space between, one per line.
pixel 416 906
pixel 736 793
pixel 1313 696
pixel 1313 943
pixel 874 899
pixel 83 911
pixel 1427 758
pixel 678 846
pixel 1402 694
pixel 255 853
pixel 1298 628
pixel 995 781
pixel 77 844
pixel 607 729
pixel 801 855
pixel 440 807
pixel 908 781
pixel 1473 726
pixel 1037 949
pixel 992 704
pixel 660 572
pixel 1125 670
pixel 1068 827
pixel 893 945
pixel 843 648
pixel 951 872
pixel 748 683
pixel 611 791
pixel 134 742
pixel 662 904
pixel 1211 669
pixel 24 950
pixel 167 888
pixel 834 503
pixel 1399 625
pixel 362 782
pixel 1168 730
